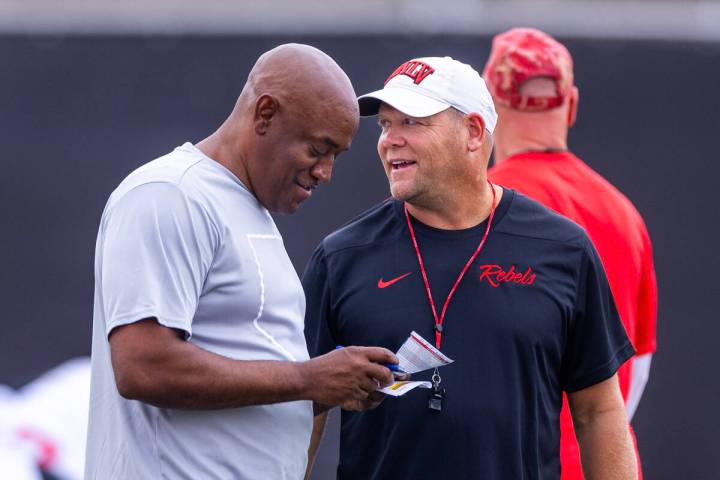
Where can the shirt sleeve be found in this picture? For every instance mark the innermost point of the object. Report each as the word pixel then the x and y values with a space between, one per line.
pixel 645 341
pixel 157 248
pixel 318 314
pixel 596 342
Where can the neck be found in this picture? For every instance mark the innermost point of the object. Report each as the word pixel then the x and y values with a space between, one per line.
pixel 227 154
pixel 526 132
pixel 460 211
pixel 505 150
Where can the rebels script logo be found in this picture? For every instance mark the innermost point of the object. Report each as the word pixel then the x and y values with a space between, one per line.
pixel 418 71
pixel 495 275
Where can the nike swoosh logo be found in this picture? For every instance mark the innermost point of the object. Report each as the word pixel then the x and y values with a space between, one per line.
pixel 383 284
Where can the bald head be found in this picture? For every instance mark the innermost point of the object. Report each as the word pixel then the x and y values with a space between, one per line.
pixel 296 113
pixel 300 77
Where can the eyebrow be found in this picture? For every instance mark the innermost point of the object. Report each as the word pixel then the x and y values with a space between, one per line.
pixel 329 141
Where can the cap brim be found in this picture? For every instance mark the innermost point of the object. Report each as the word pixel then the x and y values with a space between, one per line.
pixel 407 101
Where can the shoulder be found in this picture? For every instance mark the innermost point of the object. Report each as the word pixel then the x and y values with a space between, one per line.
pixel 500 171
pixel 169 187
pixel 374 226
pixel 608 206
pixel 175 171
pixel 528 218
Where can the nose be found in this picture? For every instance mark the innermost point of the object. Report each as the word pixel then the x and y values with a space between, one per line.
pixel 390 137
pixel 322 170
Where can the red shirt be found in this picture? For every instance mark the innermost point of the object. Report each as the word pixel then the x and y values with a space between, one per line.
pixel 564 183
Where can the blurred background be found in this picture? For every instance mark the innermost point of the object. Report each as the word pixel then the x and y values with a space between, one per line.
pixel 90 90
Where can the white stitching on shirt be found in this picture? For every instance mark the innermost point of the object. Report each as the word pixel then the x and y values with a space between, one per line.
pixel 256 320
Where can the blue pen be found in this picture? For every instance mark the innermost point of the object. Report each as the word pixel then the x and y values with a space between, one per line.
pixel 393 367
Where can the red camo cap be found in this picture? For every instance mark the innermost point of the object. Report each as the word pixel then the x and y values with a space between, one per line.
pixel 522 54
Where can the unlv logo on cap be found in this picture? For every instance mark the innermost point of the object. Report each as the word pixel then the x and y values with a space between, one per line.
pixel 414 69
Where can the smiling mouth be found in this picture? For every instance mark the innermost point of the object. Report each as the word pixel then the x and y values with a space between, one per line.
pixel 308 188
pixel 400 164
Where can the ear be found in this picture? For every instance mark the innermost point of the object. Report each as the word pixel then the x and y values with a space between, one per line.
pixel 574 99
pixel 266 108
pixel 477 135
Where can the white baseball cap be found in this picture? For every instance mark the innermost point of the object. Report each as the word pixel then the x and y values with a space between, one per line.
pixel 425 86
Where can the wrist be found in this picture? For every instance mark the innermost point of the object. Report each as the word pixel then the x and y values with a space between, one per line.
pixel 303 380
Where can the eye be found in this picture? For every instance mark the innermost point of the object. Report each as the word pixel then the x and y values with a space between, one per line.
pixel 383 123
pixel 314 152
pixel 410 121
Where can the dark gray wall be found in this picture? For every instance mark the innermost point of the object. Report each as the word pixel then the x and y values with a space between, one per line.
pixel 78 114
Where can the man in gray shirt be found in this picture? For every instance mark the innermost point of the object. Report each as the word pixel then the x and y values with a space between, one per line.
pixel 199 362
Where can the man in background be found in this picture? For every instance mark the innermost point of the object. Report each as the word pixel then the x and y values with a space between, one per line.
pixel 530 76
pixel 199 363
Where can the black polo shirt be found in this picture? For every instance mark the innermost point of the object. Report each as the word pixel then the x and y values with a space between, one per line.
pixel 532 317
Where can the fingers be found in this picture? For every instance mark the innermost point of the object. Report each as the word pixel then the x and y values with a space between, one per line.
pixel 361 393
pixel 351 374
pixel 377 358
pixel 378 355
pixel 372 401
pixel 369 385
pixel 381 373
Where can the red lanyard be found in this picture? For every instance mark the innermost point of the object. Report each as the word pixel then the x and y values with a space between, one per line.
pixel 439 321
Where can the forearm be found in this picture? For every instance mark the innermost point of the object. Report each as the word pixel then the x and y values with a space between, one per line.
pixel 184 376
pixel 606 449
pixel 154 365
pixel 319 422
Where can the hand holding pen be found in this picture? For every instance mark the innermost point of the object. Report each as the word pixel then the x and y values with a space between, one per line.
pixel 398 372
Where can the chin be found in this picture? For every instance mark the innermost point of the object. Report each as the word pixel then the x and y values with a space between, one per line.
pixel 291 209
pixel 287 208
pixel 277 204
pixel 399 193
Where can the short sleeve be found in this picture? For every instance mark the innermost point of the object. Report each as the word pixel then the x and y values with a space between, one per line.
pixel 318 316
pixel 157 247
pixel 596 342
pixel 645 331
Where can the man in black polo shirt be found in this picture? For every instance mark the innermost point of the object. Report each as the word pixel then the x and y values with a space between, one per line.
pixel 512 292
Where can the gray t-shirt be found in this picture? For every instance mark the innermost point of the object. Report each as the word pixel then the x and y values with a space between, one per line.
pixel 183 240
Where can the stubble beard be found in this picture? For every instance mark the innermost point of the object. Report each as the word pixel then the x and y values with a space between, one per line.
pixel 418 193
